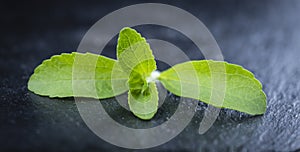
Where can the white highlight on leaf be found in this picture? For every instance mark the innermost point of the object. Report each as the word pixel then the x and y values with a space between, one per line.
pixel 153 76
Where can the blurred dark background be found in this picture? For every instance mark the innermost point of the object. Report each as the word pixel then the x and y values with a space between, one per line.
pixel 261 35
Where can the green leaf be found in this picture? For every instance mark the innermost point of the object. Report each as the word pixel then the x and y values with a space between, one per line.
pixel 145 116
pixel 136 59
pixel 88 75
pixel 134 53
pixel 203 80
pixel 144 106
pixel 80 75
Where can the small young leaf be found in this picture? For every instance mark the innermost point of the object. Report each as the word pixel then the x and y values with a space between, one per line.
pixel 55 77
pixel 144 106
pixel 145 116
pixel 134 53
pixel 195 79
pixel 136 59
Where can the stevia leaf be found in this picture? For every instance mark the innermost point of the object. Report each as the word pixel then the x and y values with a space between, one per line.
pixel 91 74
pixel 145 116
pixel 144 106
pixel 136 59
pixel 134 53
pixel 197 79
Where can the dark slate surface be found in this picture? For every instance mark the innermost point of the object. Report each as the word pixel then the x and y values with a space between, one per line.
pixel 263 36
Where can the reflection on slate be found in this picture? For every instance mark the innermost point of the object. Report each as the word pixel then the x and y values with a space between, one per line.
pixel 262 36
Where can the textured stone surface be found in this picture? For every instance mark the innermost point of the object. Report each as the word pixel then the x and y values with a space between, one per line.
pixel 262 36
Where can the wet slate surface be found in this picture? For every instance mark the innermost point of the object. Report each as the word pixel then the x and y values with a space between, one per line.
pixel 262 36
